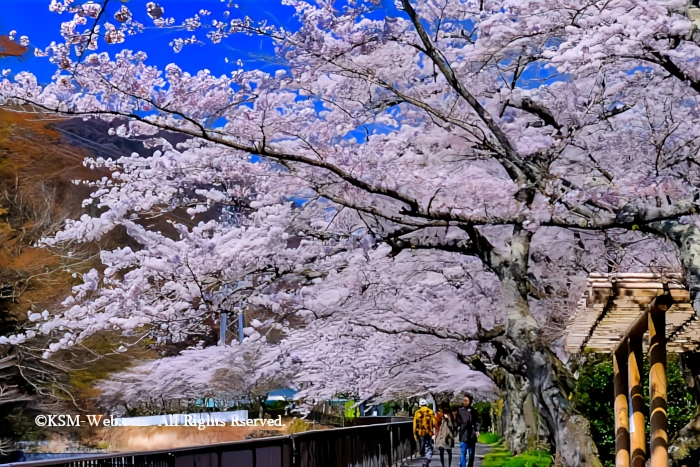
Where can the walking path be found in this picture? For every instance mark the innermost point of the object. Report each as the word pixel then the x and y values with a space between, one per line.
pixel 481 449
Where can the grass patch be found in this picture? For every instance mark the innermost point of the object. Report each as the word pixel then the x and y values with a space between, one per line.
pixel 488 438
pixel 501 457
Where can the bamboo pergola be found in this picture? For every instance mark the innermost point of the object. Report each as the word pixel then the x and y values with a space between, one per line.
pixel 626 315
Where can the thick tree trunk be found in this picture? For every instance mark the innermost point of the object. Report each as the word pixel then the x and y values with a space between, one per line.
pixel 515 430
pixel 687 239
pixel 685 446
pixel 538 413
pixel 522 426
pixel 534 374
pixel 497 417
pixel 570 430
pixel 690 364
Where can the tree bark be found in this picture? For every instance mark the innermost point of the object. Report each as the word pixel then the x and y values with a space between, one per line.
pixel 522 426
pixel 690 365
pixel 686 237
pixel 685 446
pixel 496 412
pixel 570 430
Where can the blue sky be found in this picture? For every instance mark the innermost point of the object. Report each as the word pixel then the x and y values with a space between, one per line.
pixel 33 19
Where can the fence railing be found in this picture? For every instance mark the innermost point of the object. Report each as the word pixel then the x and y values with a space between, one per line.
pixel 325 419
pixel 362 421
pixel 338 421
pixel 361 446
pixel 381 445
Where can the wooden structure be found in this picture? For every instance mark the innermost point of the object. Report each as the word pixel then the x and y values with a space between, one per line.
pixel 627 315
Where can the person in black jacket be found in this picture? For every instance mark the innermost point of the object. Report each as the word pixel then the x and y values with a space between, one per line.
pixel 468 430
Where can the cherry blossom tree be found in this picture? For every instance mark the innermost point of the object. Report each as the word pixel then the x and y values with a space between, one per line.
pixel 226 373
pixel 403 327
pixel 497 130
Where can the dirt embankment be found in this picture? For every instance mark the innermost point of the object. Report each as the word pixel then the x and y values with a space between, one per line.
pixel 149 438
pixel 156 438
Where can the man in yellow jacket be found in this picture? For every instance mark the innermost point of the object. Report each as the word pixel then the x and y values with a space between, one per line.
pixel 423 431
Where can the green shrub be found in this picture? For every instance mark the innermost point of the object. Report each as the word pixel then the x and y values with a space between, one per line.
pixel 276 405
pixel 488 438
pixel 594 394
pixel 483 410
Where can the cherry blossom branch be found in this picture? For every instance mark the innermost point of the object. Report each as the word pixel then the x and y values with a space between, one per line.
pixel 512 161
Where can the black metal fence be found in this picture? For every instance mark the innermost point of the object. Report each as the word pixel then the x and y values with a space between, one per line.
pixel 325 419
pixel 382 445
pixel 363 446
pixel 363 421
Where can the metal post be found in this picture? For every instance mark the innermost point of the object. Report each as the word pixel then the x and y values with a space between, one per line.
pixel 391 446
pixel 658 403
pixel 622 434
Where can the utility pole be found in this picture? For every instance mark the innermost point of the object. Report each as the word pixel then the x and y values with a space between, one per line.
pixel 222 328
pixel 238 309
pixel 223 318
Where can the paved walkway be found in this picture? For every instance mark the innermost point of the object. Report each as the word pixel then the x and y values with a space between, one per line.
pixel 481 449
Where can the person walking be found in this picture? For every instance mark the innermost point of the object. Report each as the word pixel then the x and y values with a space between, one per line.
pixel 468 429
pixel 423 431
pixel 444 439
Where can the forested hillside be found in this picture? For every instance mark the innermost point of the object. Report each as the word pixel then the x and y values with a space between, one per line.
pixel 39 159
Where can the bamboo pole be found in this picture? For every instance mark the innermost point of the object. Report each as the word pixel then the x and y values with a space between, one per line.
pixel 658 402
pixel 622 434
pixel 637 422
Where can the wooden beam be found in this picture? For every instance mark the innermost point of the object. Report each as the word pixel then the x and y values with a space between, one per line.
pixel 621 284
pixel 636 275
pixel 658 401
pixel 638 450
pixel 622 420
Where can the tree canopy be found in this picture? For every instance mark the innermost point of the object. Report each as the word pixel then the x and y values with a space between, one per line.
pixel 436 181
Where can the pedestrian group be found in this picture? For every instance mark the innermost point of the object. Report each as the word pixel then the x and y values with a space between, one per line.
pixel 431 430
